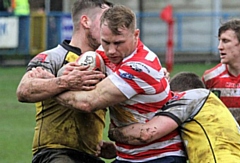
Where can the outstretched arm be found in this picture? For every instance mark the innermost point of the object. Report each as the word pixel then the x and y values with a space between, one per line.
pixel 105 94
pixel 139 133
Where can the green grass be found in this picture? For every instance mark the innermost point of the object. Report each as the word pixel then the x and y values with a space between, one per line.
pixel 17 120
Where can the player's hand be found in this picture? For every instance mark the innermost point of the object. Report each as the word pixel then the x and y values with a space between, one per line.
pixel 79 78
pixel 39 72
pixel 166 73
pixel 66 69
pixel 106 149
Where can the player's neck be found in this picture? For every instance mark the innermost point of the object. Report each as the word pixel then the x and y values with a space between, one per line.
pixel 234 69
pixel 81 42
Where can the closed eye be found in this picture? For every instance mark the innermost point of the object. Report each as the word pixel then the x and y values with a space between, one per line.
pixel 118 43
pixel 105 42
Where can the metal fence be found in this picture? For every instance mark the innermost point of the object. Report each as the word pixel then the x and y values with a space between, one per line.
pixel 194 33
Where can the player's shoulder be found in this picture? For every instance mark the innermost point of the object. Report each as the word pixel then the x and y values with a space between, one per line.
pixel 185 105
pixel 191 100
pixel 193 94
pixel 50 59
pixel 55 52
pixel 197 93
pixel 145 58
pixel 214 71
pixel 218 67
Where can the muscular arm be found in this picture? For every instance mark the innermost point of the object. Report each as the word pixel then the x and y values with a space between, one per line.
pixel 105 94
pixel 36 89
pixel 39 84
pixel 139 133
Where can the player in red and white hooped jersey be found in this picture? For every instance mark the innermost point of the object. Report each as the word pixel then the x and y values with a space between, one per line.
pixel 134 90
pixel 224 78
pixel 141 79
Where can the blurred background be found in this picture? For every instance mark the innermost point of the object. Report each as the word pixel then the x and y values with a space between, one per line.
pixel 194 28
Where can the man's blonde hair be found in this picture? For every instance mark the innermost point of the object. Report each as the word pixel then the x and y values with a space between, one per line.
pixel 119 16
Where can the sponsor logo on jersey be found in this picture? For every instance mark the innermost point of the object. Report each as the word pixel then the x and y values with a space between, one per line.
pixel 40 58
pixel 135 68
pixel 126 75
pixel 232 85
pixel 139 67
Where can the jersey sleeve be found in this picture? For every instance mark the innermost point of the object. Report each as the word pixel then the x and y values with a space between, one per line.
pixel 139 78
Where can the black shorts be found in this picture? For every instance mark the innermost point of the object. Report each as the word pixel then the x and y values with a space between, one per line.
pixel 64 156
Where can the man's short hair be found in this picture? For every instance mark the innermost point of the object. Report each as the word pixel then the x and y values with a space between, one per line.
pixel 232 24
pixel 85 6
pixel 119 16
pixel 184 81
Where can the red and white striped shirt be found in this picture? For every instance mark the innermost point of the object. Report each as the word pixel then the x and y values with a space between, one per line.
pixel 141 79
pixel 224 85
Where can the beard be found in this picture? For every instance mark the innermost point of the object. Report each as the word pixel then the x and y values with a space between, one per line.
pixel 93 42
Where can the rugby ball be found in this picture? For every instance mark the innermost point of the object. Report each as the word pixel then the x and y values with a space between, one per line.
pixel 93 59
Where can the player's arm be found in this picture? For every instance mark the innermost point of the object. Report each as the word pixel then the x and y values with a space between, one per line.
pixel 39 84
pixel 105 94
pixel 139 133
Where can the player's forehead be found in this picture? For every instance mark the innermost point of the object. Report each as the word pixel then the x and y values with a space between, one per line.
pixel 228 34
pixel 108 35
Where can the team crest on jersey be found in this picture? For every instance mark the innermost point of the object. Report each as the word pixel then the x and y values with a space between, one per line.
pixel 217 93
pixel 40 58
pixel 126 75
pixel 178 96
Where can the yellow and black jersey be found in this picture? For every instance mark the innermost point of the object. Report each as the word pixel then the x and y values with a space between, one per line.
pixel 58 126
pixel 209 131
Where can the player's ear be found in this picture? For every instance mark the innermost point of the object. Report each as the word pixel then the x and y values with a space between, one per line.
pixel 85 21
pixel 136 34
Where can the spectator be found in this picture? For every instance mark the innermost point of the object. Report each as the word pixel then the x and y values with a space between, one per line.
pixel 223 79
pixel 37 6
pixel 20 7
